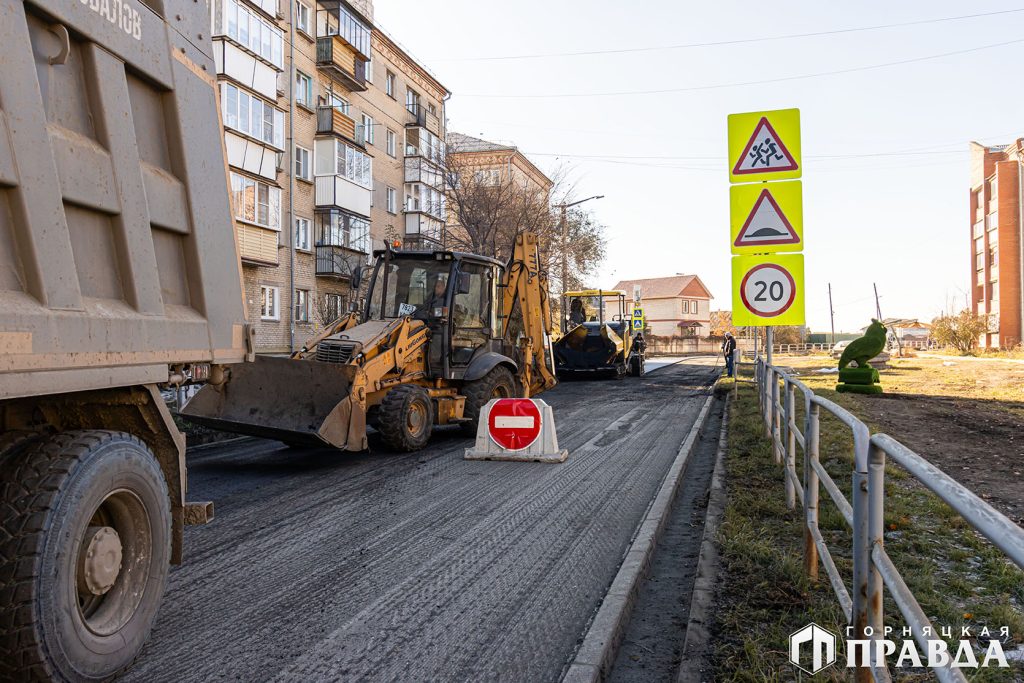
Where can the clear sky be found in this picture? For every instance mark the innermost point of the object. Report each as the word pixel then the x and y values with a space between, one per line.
pixel 886 169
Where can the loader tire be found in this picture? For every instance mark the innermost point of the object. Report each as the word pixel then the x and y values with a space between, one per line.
pixel 67 613
pixel 498 383
pixel 405 418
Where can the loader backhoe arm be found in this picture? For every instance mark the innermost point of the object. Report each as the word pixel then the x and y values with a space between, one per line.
pixel 526 287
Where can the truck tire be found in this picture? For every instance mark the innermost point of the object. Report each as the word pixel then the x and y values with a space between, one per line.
pixel 85 546
pixel 636 366
pixel 405 418
pixel 498 383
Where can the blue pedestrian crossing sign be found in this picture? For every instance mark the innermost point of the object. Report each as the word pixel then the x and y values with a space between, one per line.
pixel 638 318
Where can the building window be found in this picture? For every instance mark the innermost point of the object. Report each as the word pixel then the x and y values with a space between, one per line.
pixel 303 168
pixel 245 27
pixel 302 233
pixel 252 116
pixel 391 143
pixel 686 306
pixel 270 300
pixel 425 199
pixel 368 71
pixel 368 129
pixel 339 103
pixel 334 157
pixel 302 305
pixel 488 177
pixel 412 100
pixel 693 307
pixel 302 17
pixel 392 202
pixel 255 201
pixel 432 109
pixel 980 262
pixel 389 84
pixel 303 89
pixel 334 306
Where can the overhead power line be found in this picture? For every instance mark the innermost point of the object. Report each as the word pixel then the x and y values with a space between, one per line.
pixel 718 86
pixel 739 41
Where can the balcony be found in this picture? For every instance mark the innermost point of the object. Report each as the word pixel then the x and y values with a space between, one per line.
pixel 333 121
pixel 419 170
pixel 338 191
pixel 337 261
pixel 424 228
pixel 341 60
pixel 423 118
pixel 257 246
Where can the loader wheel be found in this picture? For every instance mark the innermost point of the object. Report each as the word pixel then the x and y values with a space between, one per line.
pixel 405 419
pixel 85 544
pixel 636 366
pixel 498 383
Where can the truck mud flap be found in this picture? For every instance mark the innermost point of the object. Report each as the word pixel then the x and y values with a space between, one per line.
pixel 299 402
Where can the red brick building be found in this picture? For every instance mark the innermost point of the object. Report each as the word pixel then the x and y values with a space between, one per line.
pixel 997 279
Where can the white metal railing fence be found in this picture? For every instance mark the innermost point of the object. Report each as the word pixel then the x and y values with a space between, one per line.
pixel 864 512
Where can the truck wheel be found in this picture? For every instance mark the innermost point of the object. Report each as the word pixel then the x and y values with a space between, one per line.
pixel 85 545
pixel 498 383
pixel 406 418
pixel 636 366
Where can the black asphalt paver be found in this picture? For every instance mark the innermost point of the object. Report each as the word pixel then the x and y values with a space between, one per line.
pixel 329 566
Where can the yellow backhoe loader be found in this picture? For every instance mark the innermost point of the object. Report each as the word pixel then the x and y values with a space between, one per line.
pixel 440 335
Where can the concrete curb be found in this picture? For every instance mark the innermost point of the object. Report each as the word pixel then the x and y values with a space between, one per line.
pixel 596 653
pixel 695 661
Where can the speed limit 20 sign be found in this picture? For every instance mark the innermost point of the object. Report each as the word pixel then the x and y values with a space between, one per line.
pixel 768 290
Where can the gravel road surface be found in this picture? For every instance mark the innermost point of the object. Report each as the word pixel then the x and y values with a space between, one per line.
pixel 417 567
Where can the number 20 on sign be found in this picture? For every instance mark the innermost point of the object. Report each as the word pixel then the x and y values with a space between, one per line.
pixel 768 290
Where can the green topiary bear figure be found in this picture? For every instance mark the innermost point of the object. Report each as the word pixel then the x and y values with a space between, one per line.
pixel 865 348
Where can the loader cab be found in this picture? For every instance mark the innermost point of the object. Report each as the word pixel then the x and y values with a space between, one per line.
pixel 453 293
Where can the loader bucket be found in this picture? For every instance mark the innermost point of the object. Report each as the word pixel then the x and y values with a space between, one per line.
pixel 299 402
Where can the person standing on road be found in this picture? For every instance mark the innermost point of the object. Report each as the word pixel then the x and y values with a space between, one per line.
pixel 728 346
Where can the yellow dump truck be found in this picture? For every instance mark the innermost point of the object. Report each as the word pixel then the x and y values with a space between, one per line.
pixel 118 276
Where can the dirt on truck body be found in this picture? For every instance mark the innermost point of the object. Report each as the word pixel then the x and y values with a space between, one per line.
pixel 118 275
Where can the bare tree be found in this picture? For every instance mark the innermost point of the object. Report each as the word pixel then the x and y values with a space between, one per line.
pixel 489 206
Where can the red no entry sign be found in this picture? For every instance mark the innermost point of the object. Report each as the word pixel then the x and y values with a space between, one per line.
pixel 514 423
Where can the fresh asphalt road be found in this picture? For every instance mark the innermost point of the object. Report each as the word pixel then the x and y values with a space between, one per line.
pixel 425 567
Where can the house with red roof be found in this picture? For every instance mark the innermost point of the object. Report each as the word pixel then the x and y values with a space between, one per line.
pixel 679 305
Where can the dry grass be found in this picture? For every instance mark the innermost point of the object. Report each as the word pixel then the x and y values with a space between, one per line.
pixel 958 577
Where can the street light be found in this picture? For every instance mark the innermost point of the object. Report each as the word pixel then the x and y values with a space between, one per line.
pixel 565 238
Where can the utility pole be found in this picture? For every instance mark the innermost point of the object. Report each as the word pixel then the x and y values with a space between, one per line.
pixel 878 307
pixel 831 314
pixel 565 246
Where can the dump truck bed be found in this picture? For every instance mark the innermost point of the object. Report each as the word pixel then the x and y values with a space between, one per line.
pixel 117 249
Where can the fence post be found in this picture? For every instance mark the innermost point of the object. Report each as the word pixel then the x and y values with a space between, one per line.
pixel 776 430
pixel 811 489
pixel 790 467
pixel 736 357
pixel 861 541
pixel 876 536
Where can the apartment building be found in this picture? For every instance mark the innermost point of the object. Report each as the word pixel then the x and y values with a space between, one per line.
pixel 997 277
pixel 332 133
pixel 496 162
